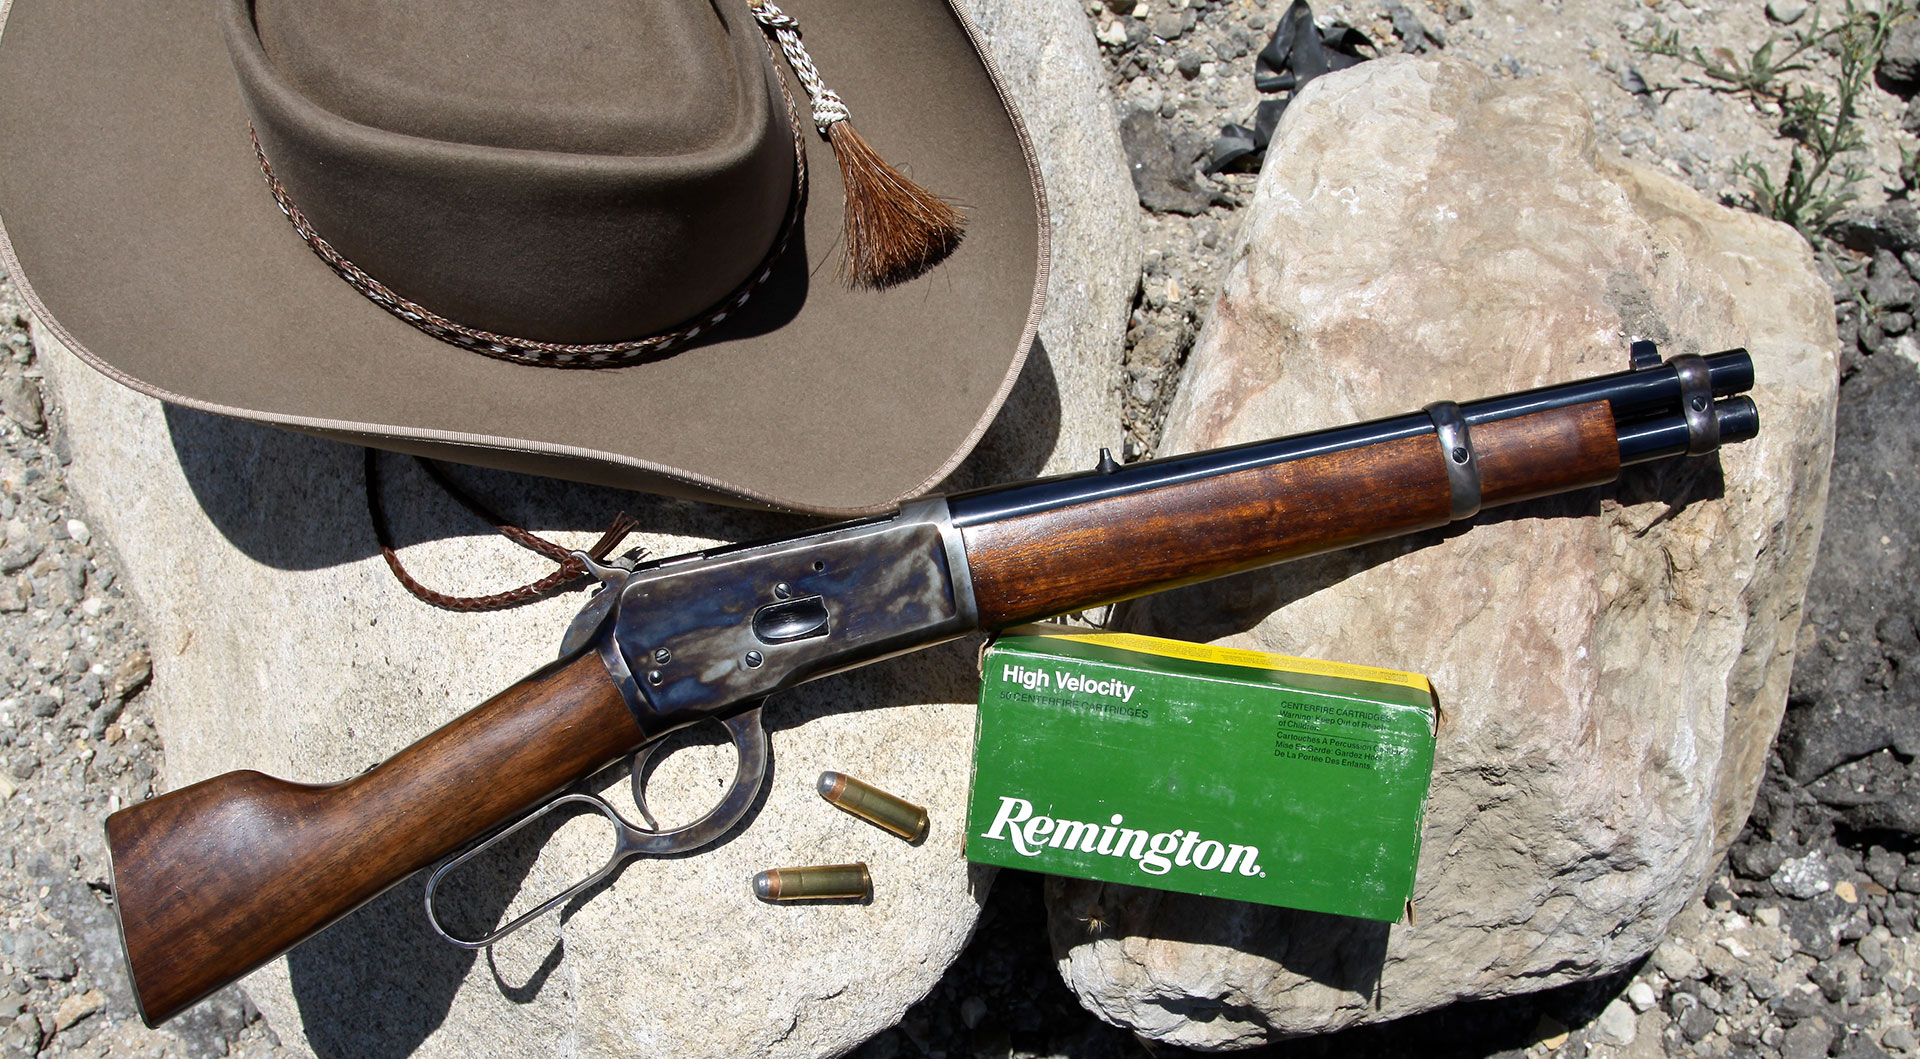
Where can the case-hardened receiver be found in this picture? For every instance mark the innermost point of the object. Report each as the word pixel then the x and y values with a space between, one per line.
pixel 709 635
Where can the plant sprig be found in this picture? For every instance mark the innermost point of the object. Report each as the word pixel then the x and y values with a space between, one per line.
pixel 1756 75
pixel 1820 121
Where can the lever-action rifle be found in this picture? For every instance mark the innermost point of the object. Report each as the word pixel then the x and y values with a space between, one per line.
pixel 212 880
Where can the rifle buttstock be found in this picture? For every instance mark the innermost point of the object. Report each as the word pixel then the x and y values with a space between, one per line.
pixel 213 880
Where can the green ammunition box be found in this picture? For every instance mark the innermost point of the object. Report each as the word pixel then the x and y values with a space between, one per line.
pixel 1206 770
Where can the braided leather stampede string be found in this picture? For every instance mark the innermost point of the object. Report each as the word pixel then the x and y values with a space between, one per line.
pixel 570 570
pixel 552 354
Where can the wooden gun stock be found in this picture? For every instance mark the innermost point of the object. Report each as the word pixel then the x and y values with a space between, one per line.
pixel 1061 560
pixel 213 880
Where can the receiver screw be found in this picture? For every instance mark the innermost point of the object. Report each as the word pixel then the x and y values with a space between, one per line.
pixel 654 677
pixel 783 591
pixel 663 656
pixel 754 658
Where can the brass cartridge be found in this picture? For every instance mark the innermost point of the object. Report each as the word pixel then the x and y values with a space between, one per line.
pixel 874 805
pixel 817 883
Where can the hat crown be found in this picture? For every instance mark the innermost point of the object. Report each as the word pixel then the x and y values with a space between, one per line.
pixel 568 206
pixel 592 76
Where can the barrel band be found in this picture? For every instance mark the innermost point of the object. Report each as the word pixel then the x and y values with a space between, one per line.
pixel 1456 451
pixel 1696 402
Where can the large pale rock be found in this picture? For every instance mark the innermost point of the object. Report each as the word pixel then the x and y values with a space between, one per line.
pixel 1612 665
pixel 281 642
pixel 1052 69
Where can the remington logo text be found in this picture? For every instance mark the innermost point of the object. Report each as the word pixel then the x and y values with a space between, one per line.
pixel 1156 853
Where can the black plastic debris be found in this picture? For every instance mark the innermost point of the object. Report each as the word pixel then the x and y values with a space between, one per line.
pixel 1298 53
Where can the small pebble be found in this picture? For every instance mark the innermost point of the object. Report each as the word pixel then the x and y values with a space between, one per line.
pixel 1803 877
pixel 1786 12
pixel 75 1008
pixel 1616 1024
pixel 1884 866
pixel 1807 1040
pixel 1641 995
pixel 1674 960
pixel 20 401
pixel 1550 1032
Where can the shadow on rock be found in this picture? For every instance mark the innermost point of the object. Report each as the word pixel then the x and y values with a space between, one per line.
pixel 357 999
pixel 378 982
pixel 1856 680
pixel 1473 1030
pixel 298 502
pixel 1339 952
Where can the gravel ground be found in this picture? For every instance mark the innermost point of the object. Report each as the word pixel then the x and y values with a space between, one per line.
pixel 1803 946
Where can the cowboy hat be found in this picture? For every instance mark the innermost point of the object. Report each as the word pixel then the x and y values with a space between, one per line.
pixel 363 218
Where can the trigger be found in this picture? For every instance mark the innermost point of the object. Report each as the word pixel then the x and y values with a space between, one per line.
pixel 749 736
pixel 637 769
pixel 750 740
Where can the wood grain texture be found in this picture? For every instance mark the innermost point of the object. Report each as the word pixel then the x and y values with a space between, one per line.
pixel 212 880
pixel 1546 453
pixel 1085 555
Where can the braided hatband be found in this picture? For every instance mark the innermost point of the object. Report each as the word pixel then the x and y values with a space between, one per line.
pixel 552 354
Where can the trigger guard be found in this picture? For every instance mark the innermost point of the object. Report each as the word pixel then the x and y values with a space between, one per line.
pixel 749 737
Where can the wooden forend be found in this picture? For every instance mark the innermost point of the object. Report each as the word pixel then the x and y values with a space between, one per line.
pixel 1085 555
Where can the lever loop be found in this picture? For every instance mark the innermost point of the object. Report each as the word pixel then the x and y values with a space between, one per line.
pixel 749 737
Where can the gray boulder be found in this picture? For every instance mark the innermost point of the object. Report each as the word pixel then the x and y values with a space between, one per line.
pixel 1612 664
pixel 281 643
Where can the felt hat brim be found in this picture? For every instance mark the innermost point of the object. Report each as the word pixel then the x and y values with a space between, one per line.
pixel 134 217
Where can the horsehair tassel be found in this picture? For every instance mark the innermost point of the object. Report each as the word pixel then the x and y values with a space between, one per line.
pixel 895 229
